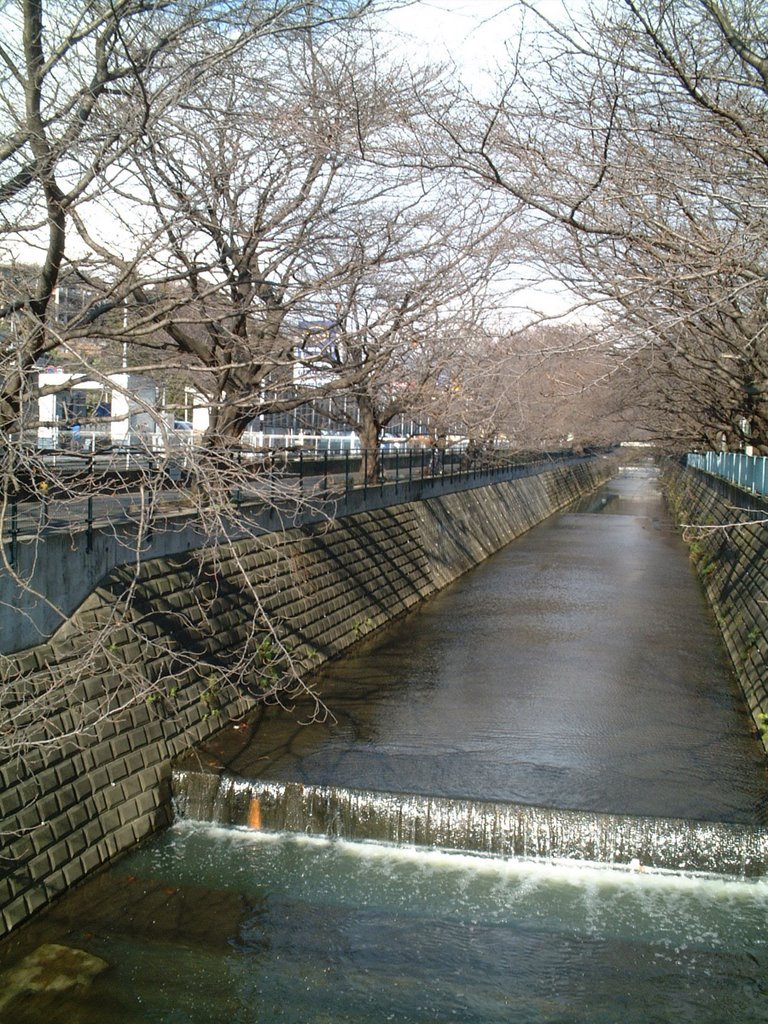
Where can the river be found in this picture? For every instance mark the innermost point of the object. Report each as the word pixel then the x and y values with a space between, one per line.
pixel 575 677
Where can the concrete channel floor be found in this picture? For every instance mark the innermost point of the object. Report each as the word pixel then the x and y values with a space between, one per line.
pixel 578 668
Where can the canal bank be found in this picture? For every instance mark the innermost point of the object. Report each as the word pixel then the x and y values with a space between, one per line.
pixel 726 530
pixel 579 669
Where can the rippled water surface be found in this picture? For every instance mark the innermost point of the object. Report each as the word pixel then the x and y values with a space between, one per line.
pixel 210 925
pixel 578 668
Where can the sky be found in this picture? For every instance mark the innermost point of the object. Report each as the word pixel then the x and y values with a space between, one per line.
pixel 465 30
pixel 474 35
pixel 468 33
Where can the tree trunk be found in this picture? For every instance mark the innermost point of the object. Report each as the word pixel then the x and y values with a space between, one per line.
pixel 369 431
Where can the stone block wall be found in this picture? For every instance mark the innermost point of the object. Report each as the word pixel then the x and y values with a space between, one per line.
pixel 727 533
pixel 94 780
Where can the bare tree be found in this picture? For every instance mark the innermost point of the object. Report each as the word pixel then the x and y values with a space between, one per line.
pixel 86 90
pixel 90 94
pixel 251 195
pixel 542 387
pixel 635 138
pixel 403 315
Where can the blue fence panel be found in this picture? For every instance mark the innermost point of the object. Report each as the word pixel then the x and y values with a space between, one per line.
pixel 750 472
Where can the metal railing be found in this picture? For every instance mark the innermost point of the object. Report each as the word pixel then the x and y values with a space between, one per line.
pixel 102 489
pixel 749 472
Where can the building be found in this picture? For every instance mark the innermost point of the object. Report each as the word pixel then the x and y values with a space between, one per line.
pixel 118 410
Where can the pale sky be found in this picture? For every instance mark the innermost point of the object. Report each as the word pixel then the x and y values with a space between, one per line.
pixel 468 33
pixel 463 29
pixel 472 34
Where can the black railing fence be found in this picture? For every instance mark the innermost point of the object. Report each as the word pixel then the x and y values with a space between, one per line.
pixel 60 491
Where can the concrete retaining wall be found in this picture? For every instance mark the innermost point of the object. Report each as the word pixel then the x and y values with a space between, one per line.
pixel 727 533
pixel 69 806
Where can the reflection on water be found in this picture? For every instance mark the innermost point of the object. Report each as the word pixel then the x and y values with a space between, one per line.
pixel 578 668
pixel 208 925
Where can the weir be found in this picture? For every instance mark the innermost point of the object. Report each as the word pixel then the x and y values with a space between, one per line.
pixel 492 828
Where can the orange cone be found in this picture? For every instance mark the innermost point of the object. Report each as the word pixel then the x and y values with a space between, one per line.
pixel 254 813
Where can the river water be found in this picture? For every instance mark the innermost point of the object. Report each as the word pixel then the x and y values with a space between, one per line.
pixel 578 670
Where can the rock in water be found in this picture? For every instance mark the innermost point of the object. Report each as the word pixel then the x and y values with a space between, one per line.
pixel 51 968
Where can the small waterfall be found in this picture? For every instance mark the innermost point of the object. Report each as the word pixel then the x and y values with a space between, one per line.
pixel 204 796
pixel 494 828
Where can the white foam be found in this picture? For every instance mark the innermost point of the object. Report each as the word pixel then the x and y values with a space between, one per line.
pixel 534 871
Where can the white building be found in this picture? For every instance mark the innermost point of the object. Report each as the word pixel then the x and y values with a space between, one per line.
pixel 116 410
